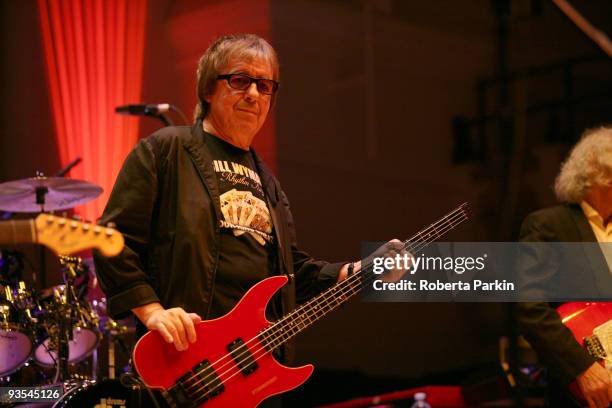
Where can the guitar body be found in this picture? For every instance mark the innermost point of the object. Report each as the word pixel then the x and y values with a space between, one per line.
pixel 589 320
pixel 160 365
pixel 583 317
pixel 231 363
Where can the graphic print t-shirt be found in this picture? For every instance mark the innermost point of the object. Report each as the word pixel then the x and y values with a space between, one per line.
pixel 248 251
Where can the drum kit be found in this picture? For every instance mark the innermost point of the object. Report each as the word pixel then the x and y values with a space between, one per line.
pixel 58 328
pixel 29 324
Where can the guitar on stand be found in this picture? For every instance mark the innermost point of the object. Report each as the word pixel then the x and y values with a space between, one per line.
pixel 56 327
pixel 62 236
pixel 231 363
pixel 23 313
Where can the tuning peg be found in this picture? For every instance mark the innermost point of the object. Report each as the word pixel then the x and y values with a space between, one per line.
pixel 110 228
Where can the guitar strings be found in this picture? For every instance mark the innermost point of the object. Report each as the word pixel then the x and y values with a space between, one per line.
pixel 335 294
pixel 347 288
pixel 448 219
pixel 352 290
pixel 332 293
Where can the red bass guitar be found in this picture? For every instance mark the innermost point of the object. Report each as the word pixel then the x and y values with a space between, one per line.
pixel 231 363
pixel 591 324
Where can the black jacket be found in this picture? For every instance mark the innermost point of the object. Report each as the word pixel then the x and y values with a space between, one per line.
pixel 166 204
pixel 539 322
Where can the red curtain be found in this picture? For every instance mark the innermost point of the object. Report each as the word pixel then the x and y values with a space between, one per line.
pixel 94 57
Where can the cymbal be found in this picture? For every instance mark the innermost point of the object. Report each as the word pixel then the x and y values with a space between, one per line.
pixel 53 193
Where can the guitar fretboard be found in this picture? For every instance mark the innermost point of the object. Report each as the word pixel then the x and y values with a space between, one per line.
pixel 319 306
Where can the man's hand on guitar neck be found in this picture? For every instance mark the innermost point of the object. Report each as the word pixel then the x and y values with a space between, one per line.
pixel 596 386
pixel 175 325
pixel 388 250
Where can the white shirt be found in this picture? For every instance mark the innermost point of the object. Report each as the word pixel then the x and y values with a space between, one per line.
pixel 602 232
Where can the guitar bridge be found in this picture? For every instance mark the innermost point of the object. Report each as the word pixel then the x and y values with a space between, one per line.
pixel 594 347
pixel 195 387
pixel 177 395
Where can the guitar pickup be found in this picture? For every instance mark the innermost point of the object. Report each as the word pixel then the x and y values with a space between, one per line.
pixel 242 356
pixel 594 347
pixel 209 383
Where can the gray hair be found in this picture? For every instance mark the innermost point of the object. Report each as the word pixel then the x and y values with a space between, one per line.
pixel 216 58
pixel 588 164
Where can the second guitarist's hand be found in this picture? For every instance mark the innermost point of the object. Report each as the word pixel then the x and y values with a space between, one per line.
pixel 596 386
pixel 175 325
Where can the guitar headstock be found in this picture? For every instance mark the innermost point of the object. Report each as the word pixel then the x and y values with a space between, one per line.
pixel 64 236
pixel 466 209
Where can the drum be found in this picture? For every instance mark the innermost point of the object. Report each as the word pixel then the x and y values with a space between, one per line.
pixel 15 329
pixel 84 342
pixel 85 332
pixel 107 394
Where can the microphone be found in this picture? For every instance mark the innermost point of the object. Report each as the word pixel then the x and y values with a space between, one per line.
pixel 154 109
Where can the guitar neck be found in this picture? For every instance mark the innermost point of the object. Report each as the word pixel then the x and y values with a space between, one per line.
pixel 17 232
pixel 61 235
pixel 329 300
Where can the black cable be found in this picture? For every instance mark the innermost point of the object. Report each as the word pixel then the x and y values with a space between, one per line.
pixel 130 380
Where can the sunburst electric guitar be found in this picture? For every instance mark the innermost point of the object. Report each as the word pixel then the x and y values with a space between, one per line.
pixel 63 236
pixel 231 362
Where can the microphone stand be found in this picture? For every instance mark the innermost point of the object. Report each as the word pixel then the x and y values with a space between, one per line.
pixel 65 315
pixel 165 120
pixel 65 334
pixel 41 192
pixel 68 167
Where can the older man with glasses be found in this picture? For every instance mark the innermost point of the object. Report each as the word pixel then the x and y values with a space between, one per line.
pixel 203 217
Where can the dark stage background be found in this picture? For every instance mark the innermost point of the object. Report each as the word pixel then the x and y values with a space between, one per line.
pixel 390 114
